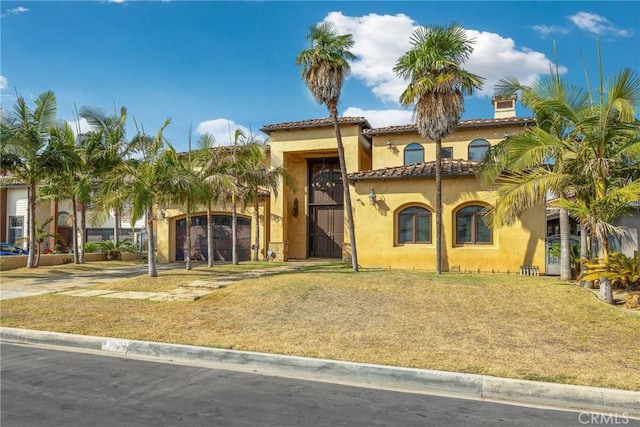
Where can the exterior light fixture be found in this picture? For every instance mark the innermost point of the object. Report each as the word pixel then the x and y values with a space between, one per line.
pixel 372 197
pixel 389 144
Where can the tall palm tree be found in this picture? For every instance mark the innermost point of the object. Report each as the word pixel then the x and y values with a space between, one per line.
pixel 437 85
pixel 525 168
pixel 146 183
pixel 257 180
pixel 593 141
pixel 207 166
pixel 608 134
pixel 234 163
pixel 189 191
pixel 325 64
pixel 106 148
pixel 26 152
pixel 67 183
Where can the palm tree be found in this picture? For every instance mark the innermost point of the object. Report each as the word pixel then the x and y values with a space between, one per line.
pixel 608 134
pixel 525 168
pixel 207 162
pixel 146 183
pixel 257 181
pixel 189 191
pixel 26 152
pixel 437 85
pixel 234 164
pixel 325 64
pixel 67 182
pixel 41 235
pixel 585 148
pixel 106 148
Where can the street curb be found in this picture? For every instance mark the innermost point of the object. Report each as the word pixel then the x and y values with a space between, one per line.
pixel 583 398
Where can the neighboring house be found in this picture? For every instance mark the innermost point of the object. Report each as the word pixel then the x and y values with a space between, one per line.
pixel 14 221
pixel 13 213
pixel 626 241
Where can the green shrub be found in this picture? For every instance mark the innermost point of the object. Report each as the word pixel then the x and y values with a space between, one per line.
pixel 621 270
pixel 90 247
pixel 112 251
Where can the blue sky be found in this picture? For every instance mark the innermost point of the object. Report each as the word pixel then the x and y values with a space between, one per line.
pixel 214 65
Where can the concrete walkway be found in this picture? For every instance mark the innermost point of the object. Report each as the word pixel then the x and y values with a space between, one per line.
pixel 189 291
pixel 75 284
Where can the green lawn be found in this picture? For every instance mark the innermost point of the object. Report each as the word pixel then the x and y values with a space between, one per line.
pixel 513 326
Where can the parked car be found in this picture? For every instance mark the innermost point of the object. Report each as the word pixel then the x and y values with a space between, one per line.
pixel 9 249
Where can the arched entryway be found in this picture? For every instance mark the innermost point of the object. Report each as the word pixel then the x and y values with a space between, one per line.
pixel 222 241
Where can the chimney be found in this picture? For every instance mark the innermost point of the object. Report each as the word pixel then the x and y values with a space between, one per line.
pixel 504 107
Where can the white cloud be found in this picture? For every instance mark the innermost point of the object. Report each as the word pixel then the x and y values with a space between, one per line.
pixel 597 24
pixel 379 40
pixel 545 30
pixel 3 82
pixel 381 118
pixel 495 57
pixel 223 130
pixel 18 10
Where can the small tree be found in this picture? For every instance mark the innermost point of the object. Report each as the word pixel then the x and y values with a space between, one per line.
pixel 42 234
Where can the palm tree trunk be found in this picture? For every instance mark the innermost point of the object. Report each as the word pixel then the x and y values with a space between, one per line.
pixel 188 254
pixel 584 254
pixel 74 226
pixel 256 218
pixel 210 248
pixel 438 206
pixel 234 228
pixel 565 254
pixel 153 272
pixel 116 226
pixel 333 112
pixel 83 231
pixel 606 292
pixel 37 262
pixel 31 217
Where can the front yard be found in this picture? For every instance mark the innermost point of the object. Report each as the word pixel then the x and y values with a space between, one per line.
pixel 535 328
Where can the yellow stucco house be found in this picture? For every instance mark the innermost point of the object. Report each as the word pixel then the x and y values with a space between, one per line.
pixel 391 174
pixel 391 177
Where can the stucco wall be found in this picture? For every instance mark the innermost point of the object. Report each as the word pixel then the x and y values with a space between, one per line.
pixel 376 237
pixel 385 156
pixel 292 149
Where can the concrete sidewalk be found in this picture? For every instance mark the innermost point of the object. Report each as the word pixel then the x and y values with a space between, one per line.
pixel 483 387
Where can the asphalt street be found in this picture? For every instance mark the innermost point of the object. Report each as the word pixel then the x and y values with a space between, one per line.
pixel 50 387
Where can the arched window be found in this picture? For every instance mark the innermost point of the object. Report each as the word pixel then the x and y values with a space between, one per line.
pixel 478 148
pixel 414 225
pixel 470 227
pixel 413 153
pixel 64 219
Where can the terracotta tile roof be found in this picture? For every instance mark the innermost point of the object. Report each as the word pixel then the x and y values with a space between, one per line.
pixel 427 169
pixel 462 124
pixel 315 123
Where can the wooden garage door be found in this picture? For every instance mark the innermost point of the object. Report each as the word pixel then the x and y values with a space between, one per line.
pixel 222 242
